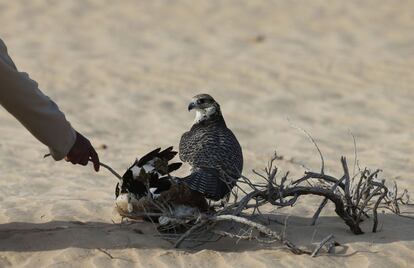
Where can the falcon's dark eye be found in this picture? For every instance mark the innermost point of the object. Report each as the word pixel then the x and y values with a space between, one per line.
pixel 201 101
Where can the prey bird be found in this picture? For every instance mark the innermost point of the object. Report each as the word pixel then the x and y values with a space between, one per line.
pixel 149 180
pixel 149 174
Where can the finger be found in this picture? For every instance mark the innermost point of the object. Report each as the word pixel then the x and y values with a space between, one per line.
pixel 94 159
pixel 84 160
pixel 69 159
pixel 75 159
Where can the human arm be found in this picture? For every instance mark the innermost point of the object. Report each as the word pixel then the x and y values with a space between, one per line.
pixel 21 97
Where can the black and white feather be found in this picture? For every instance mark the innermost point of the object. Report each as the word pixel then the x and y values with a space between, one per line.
pixel 149 174
pixel 211 149
pixel 148 183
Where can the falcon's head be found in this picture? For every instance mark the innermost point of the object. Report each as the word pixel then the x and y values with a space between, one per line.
pixel 205 106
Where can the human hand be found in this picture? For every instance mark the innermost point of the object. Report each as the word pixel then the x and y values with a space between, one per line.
pixel 82 151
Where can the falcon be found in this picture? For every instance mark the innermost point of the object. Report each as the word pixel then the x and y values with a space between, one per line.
pixel 211 149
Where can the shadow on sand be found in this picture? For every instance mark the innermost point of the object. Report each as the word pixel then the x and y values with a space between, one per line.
pixel 55 235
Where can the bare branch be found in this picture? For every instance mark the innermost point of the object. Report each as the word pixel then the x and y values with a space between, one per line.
pixel 326 240
pixel 314 143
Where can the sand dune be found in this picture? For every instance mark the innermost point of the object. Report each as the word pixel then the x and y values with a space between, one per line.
pixel 124 73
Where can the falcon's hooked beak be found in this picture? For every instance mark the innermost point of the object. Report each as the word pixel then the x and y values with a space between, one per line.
pixel 191 106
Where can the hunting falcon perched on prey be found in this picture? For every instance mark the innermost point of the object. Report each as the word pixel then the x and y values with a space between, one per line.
pixel 211 149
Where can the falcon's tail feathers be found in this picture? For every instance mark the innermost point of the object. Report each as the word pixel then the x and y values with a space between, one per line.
pixel 208 182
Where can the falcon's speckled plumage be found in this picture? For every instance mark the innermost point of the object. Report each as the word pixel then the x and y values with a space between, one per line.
pixel 211 149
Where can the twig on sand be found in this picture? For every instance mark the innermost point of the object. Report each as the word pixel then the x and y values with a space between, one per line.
pixel 318 248
pixel 112 257
pixel 314 143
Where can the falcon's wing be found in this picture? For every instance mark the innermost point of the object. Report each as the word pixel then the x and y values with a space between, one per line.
pixel 208 182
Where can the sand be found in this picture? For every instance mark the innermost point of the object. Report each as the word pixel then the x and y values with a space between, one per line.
pixel 124 73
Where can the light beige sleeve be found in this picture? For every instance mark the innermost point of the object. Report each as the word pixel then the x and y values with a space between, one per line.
pixel 21 96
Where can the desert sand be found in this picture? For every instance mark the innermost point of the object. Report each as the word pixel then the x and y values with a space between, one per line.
pixel 124 72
